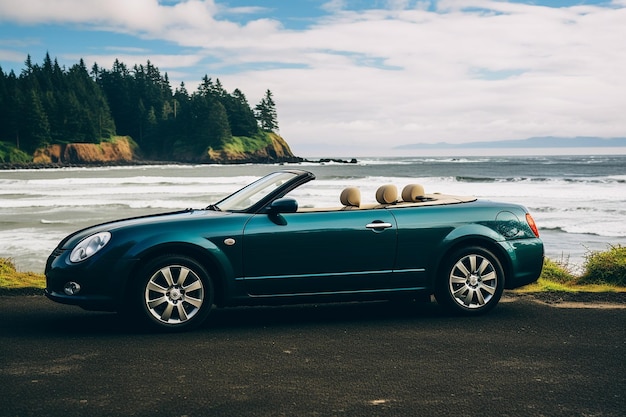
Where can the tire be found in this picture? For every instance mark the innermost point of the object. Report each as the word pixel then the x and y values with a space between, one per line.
pixel 173 293
pixel 471 281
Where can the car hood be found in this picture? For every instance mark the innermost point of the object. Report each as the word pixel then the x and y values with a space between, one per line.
pixel 71 240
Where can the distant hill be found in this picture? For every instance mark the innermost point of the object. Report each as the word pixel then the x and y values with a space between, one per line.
pixel 537 142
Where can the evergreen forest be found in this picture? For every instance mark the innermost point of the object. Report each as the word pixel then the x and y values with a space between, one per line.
pixel 48 104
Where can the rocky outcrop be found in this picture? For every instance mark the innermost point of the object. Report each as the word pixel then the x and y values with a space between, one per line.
pixel 120 150
pixel 277 150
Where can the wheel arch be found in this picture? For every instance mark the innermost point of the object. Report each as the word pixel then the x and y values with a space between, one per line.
pixel 491 245
pixel 207 258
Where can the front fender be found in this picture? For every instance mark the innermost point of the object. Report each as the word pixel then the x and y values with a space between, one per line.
pixel 212 255
pixel 205 246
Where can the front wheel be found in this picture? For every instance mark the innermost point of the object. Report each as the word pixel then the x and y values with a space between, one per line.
pixel 471 281
pixel 173 293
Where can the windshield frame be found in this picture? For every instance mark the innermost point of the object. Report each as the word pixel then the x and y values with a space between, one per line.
pixel 258 194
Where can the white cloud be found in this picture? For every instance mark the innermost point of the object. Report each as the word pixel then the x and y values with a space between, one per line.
pixel 471 70
pixel 334 6
pixel 7 55
pixel 566 67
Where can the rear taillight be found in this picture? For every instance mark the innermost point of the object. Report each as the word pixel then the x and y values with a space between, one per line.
pixel 532 224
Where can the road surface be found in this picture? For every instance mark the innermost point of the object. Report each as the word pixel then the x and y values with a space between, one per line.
pixel 525 358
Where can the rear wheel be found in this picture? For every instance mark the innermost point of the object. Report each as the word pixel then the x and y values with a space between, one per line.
pixel 173 293
pixel 471 281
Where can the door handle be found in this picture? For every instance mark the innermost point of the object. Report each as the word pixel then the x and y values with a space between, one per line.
pixel 378 225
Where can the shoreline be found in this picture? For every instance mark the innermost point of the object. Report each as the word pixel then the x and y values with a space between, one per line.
pixel 8 166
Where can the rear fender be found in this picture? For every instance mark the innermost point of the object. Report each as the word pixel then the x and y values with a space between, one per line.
pixel 472 230
pixel 473 235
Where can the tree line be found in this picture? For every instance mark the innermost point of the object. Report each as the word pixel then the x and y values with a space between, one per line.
pixel 49 104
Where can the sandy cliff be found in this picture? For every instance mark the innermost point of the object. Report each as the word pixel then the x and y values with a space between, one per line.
pixel 118 151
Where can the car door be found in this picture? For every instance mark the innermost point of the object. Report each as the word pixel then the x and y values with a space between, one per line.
pixel 319 252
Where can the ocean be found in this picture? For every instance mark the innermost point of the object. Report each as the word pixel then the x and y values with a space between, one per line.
pixel 578 201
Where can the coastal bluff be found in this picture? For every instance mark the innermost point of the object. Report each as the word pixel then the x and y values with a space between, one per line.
pixel 122 150
pixel 273 149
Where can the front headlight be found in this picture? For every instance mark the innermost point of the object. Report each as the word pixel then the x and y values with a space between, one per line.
pixel 89 246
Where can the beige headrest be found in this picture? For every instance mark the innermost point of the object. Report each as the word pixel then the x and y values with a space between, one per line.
pixel 387 194
pixel 350 196
pixel 413 193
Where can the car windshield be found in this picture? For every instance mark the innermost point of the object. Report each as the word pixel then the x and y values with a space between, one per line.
pixel 253 193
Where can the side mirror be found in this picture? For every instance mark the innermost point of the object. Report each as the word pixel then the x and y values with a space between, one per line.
pixel 283 205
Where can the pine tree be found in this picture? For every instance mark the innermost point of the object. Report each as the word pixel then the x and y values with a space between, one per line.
pixel 94 119
pixel 182 116
pixel 209 123
pixel 35 128
pixel 240 115
pixel 266 113
pixel 11 99
pixel 206 87
pixel 28 66
pixel 116 86
pixel 218 124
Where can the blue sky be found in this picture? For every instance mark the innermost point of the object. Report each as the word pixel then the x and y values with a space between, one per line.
pixel 360 77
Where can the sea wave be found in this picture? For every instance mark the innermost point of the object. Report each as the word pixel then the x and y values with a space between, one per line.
pixel 582 180
pixel 588 230
pixel 44 221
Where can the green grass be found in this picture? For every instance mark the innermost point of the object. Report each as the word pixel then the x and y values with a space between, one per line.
pixel 10 278
pixel 544 285
pixel 244 144
pixel 607 267
pixel 602 272
pixel 11 155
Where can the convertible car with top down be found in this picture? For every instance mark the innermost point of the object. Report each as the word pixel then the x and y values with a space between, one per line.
pixel 259 246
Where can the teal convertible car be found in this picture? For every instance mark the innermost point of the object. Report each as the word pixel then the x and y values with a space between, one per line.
pixel 257 246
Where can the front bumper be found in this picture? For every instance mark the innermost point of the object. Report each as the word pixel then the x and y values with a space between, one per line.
pixel 102 279
pixel 88 302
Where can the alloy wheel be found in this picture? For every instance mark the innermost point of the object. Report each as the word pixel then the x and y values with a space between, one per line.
pixel 174 294
pixel 473 281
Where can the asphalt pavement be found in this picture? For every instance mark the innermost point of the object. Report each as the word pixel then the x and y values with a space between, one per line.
pixel 525 358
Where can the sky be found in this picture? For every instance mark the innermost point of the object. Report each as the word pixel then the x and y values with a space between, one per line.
pixel 361 77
